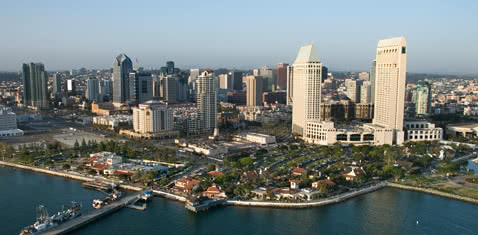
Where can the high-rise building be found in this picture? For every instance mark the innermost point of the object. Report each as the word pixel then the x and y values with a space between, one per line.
pixel 106 89
pixel 325 72
pixel 364 76
pixel 193 76
pixel 225 81
pixel 353 89
pixel 181 88
pixel 423 98
pixel 56 84
pixel 365 93
pixel 268 77
pixel 122 67
pixel 236 80
pixel 290 85
pixel 152 117
pixel 391 68
pixel 140 87
pixel 254 89
pixel 93 90
pixel 168 89
pixel 372 80
pixel 71 85
pixel 281 76
pixel 35 86
pixel 306 76
pixel 206 101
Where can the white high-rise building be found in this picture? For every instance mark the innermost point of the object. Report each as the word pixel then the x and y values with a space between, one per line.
pixel 306 76
pixel 206 101
pixel 365 93
pixel 391 68
pixel 152 117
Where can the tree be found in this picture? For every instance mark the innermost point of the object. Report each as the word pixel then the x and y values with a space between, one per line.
pixel 76 146
pixel 246 161
pixel 66 166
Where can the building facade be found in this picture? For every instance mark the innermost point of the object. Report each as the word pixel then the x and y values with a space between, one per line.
pixel 281 76
pixel 391 68
pixel 423 98
pixel 306 76
pixel 152 117
pixel 35 86
pixel 92 90
pixel 420 130
pixel 206 101
pixel 254 89
pixel 365 93
pixel 122 67
pixel 140 87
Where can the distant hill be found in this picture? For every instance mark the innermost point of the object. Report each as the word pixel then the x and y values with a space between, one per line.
pixel 10 76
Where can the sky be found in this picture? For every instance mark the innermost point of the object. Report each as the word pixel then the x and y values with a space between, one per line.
pixel 442 36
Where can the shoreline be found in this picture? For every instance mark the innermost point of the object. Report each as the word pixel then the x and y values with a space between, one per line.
pixel 273 204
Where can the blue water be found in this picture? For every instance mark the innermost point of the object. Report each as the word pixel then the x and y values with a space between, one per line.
pixel 388 211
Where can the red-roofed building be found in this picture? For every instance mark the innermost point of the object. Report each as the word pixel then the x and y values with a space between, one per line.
pixel 294 184
pixel 329 183
pixel 214 192
pixel 298 172
pixel 354 173
pixel 215 173
pixel 186 185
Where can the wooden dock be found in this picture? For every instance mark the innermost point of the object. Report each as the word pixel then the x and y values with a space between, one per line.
pixel 85 219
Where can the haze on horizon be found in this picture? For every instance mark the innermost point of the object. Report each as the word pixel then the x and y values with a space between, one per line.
pixel 245 34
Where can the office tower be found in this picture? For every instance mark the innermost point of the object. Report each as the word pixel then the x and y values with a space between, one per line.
pixel 122 66
pixel 236 80
pixel 279 97
pixel 281 76
pixel 93 90
pixel 152 117
pixel 325 72
pixel 56 84
pixel 391 68
pixel 206 101
pixel 364 76
pixel 35 86
pixel 181 88
pixel 168 89
pixel 106 88
pixel 268 77
pixel 353 89
pixel 372 80
pixel 140 87
pixel 170 67
pixel 306 76
pixel 254 89
pixel 290 85
pixel 365 92
pixel 193 76
pixel 423 98
pixel 225 81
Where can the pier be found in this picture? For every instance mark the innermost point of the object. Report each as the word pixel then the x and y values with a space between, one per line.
pixel 85 219
pixel 204 205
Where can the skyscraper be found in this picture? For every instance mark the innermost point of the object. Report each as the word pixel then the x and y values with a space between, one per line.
pixel 92 90
pixel 206 101
pixel 140 87
pixel 365 91
pixel 35 86
pixel 306 76
pixel 353 89
pixel 236 80
pixel 391 68
pixel 281 76
pixel 372 80
pixel 423 98
pixel 106 89
pixel 268 77
pixel 325 72
pixel 254 89
pixel 225 81
pixel 122 66
pixel 168 89
pixel 56 84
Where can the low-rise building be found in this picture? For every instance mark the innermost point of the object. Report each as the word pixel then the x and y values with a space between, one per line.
pixel 468 130
pixel 186 185
pixel 8 123
pixel 420 130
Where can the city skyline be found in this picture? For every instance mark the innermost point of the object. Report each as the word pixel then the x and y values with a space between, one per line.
pixel 154 38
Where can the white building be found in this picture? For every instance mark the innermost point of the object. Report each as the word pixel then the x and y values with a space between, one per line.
pixel 260 138
pixel 8 123
pixel 421 130
pixel 152 117
pixel 305 75
pixel 206 102
pixel 112 122
pixel 390 77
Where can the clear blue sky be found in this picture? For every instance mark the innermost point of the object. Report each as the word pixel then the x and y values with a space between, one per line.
pixel 442 35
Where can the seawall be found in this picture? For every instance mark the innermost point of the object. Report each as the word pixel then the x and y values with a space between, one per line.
pixel 434 192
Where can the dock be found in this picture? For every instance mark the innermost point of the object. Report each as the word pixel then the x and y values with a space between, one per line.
pixel 94 215
pixel 204 205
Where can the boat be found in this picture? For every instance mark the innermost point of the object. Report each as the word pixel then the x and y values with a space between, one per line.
pixel 146 196
pixel 97 204
pixel 115 195
pixel 475 160
pixel 44 222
